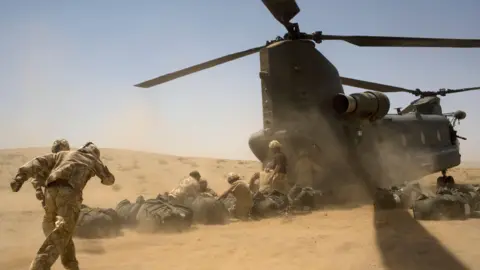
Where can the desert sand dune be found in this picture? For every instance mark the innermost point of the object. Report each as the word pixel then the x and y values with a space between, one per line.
pixel 328 239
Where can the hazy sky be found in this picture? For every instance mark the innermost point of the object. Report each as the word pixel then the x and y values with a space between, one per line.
pixel 68 67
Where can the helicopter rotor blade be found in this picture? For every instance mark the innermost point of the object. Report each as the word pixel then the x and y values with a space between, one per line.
pixel 196 68
pixel 282 10
pixel 384 41
pixel 374 86
pixel 451 91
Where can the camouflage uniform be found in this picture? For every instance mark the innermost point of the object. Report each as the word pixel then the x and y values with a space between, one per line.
pixel 243 197
pixel 189 188
pixel 278 178
pixel 205 190
pixel 38 182
pixel 68 173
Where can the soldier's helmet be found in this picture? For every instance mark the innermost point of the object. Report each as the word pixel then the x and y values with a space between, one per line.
pixel 203 184
pixel 232 177
pixel 60 145
pixel 140 199
pixel 195 174
pixel 91 148
pixel 274 144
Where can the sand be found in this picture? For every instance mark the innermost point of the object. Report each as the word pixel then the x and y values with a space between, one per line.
pixel 328 239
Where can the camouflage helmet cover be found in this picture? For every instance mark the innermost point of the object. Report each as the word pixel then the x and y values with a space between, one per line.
pixel 60 145
pixel 274 144
pixel 232 177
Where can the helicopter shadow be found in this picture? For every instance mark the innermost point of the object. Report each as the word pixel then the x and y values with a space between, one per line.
pixel 405 244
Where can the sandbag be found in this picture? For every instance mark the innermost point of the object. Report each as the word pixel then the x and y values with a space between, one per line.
pixel 440 207
pixel 269 204
pixel 128 211
pixel 160 215
pixel 209 210
pixel 98 223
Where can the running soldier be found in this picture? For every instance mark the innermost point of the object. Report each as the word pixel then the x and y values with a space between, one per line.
pixel 68 173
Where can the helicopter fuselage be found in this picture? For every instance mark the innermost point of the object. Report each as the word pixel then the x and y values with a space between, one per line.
pixel 299 87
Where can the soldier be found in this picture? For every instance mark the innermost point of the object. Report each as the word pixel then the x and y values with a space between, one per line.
pixel 278 178
pixel 187 189
pixel 205 190
pixel 38 182
pixel 68 173
pixel 259 182
pixel 243 197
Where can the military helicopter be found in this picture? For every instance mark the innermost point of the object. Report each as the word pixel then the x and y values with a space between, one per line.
pixel 304 107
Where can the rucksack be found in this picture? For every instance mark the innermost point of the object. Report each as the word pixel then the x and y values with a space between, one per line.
pixel 385 199
pixel 268 204
pixel 209 210
pixel 128 211
pixel 97 223
pixel 302 197
pixel 159 214
pixel 439 207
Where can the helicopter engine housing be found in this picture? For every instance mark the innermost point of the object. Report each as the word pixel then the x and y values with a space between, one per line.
pixel 367 105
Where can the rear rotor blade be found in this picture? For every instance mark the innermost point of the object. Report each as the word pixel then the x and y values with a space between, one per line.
pixel 374 86
pixel 282 10
pixel 382 41
pixel 197 68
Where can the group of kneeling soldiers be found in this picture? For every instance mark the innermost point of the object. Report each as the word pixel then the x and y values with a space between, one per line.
pixel 267 194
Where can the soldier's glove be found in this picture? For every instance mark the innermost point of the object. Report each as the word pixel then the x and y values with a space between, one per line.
pixel 39 194
pixel 15 185
pixel 107 170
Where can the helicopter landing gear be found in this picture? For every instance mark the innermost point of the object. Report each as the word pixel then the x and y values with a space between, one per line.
pixel 444 180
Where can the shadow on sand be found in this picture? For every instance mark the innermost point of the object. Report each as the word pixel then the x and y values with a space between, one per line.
pixel 405 244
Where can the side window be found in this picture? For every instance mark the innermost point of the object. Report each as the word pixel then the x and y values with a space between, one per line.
pixel 439 135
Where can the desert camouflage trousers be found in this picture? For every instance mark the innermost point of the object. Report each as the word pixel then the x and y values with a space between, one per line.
pixel 280 183
pixel 241 210
pixel 62 208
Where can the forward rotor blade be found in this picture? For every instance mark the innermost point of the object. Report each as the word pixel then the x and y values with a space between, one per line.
pixel 186 71
pixel 282 10
pixel 450 91
pixel 381 41
pixel 374 86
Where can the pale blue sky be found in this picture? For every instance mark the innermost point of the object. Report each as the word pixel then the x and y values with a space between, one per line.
pixel 68 67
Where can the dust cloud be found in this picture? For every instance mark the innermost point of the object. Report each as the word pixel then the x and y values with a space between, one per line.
pixel 330 239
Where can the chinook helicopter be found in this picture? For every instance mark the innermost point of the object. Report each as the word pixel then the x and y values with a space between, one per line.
pixel 305 108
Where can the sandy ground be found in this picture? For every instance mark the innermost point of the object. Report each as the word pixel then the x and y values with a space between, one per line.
pixel 328 239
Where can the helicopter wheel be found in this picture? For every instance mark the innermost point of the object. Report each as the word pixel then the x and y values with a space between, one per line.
pixel 444 180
